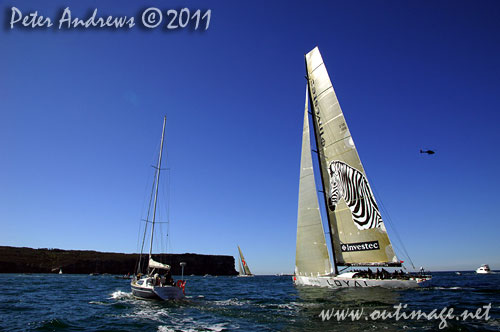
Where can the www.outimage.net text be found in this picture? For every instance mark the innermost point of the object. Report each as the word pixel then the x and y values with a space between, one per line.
pixel 443 316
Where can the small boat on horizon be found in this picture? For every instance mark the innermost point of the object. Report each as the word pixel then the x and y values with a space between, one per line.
pixel 483 269
pixel 356 231
pixel 244 270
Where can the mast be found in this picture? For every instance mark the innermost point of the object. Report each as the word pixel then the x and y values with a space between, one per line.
pixel 315 124
pixel 156 189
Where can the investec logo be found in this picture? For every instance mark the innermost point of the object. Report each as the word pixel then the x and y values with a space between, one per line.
pixel 360 246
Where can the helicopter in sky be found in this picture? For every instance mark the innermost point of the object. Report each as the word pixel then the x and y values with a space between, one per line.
pixel 429 152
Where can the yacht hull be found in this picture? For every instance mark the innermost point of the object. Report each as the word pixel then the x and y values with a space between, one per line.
pixel 157 292
pixel 144 293
pixel 342 282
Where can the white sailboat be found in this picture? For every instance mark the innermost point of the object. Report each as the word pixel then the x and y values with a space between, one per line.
pixel 244 270
pixel 356 230
pixel 157 282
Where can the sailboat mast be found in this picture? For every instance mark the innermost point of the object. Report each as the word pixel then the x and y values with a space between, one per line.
pixel 156 189
pixel 315 124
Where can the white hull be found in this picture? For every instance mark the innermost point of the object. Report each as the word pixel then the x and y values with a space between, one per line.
pixel 482 271
pixel 346 282
pixel 169 292
pixel 156 292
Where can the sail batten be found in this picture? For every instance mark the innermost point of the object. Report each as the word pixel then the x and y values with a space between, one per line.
pixel 356 226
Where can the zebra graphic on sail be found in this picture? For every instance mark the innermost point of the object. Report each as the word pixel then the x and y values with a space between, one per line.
pixel 350 184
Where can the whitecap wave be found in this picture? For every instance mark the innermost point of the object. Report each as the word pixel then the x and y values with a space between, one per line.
pixel 99 303
pixel 219 327
pixel 230 302
pixel 448 288
pixel 165 329
pixel 118 295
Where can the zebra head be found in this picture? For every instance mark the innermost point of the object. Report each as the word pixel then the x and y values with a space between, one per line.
pixel 350 184
pixel 336 190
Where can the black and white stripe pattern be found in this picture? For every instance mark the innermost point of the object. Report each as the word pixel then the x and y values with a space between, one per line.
pixel 349 183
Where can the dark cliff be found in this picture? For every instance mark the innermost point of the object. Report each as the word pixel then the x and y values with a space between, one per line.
pixel 28 260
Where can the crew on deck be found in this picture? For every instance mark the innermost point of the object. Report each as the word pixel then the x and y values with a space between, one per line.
pixel 381 274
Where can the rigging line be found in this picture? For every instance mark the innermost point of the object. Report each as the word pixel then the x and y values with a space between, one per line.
pixel 399 245
pixel 393 228
pixel 143 205
pixel 149 178
pixel 389 219
pixel 165 201
pixel 168 208
pixel 161 245
pixel 147 218
pixel 397 233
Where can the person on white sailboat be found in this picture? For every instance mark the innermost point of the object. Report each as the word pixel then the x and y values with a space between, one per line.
pixel 168 279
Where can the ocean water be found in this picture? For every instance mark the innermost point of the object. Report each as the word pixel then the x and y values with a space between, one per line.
pixel 48 302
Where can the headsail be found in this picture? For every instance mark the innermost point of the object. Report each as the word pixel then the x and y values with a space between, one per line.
pixel 359 234
pixel 311 257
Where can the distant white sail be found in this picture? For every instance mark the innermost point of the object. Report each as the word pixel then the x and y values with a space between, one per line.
pixel 311 257
pixel 358 231
pixel 246 269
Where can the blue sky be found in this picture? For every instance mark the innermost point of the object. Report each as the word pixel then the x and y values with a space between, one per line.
pixel 81 112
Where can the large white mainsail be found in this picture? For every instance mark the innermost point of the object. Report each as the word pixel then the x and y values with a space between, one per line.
pixel 311 257
pixel 358 233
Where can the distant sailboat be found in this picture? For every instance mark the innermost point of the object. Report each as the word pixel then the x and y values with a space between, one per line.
pixel 244 270
pixel 60 271
pixel 356 230
pixel 150 285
